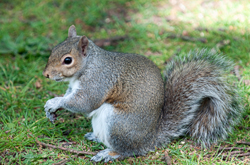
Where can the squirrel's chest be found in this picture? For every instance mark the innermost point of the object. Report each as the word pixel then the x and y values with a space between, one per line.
pixel 101 118
pixel 74 84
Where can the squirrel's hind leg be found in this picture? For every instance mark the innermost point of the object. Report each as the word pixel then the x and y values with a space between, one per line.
pixel 101 118
pixel 105 155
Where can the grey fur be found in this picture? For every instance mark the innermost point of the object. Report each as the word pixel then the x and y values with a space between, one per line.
pixel 199 99
pixel 195 88
pixel 133 129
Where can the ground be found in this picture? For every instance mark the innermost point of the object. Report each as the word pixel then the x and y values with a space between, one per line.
pixel 157 29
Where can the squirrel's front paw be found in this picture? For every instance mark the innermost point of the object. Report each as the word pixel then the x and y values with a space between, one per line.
pixel 105 155
pixel 51 116
pixel 90 136
pixel 53 104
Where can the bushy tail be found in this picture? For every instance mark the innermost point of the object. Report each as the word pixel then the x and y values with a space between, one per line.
pixel 199 99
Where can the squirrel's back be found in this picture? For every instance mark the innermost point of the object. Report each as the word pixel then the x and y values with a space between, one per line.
pixel 137 80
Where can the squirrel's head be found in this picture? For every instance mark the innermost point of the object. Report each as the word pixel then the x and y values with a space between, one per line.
pixel 68 57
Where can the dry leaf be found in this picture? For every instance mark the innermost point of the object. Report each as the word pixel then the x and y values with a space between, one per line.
pixel 61 120
pixel 38 84
pixel 237 72
pixel 2 88
pixel 246 82
pixel 185 33
pixel 167 158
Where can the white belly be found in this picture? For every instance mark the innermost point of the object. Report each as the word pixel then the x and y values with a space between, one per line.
pixel 100 122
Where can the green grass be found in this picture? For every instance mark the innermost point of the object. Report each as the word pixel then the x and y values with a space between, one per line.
pixel 30 29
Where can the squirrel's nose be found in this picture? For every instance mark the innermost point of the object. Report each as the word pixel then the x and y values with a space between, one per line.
pixel 46 74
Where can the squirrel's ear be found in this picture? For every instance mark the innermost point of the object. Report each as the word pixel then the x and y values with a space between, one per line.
pixel 72 31
pixel 83 44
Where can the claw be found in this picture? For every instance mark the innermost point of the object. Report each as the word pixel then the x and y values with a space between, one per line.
pixel 51 116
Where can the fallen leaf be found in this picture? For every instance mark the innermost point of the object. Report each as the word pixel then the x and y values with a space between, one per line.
pixel 167 158
pixel 237 72
pixel 38 84
pixel 2 88
pixel 185 33
pixel 61 120
pixel 246 82
pixel 7 131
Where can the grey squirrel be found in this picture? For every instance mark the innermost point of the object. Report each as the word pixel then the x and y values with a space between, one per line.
pixel 132 109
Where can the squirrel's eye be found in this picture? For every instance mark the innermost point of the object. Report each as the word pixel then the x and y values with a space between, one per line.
pixel 67 60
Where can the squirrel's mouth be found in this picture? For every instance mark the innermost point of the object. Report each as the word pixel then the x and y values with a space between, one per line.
pixel 58 79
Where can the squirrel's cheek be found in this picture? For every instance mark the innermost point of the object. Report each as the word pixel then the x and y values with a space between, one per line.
pixel 68 72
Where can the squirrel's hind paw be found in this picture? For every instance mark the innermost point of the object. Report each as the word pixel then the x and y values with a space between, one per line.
pixel 90 136
pixel 105 155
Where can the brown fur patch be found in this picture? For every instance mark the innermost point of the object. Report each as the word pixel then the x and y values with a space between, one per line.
pixel 113 153
pixel 117 96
